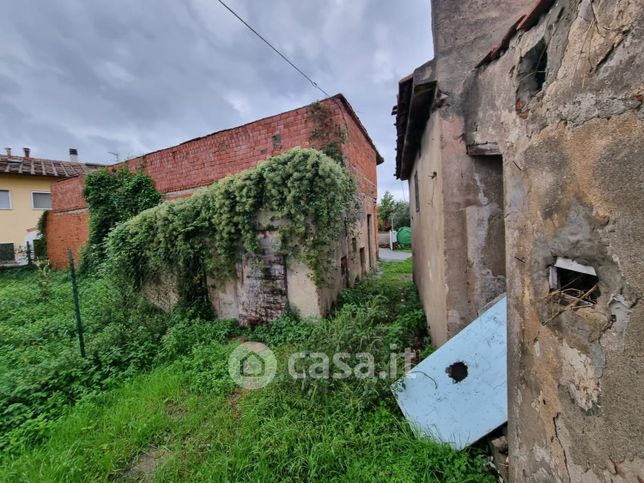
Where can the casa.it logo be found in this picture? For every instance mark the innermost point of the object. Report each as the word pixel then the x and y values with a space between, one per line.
pixel 252 365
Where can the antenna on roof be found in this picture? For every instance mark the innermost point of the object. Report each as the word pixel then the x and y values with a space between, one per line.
pixel 116 156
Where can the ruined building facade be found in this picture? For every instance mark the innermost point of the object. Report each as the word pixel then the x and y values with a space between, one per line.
pixel 522 144
pixel 456 205
pixel 178 171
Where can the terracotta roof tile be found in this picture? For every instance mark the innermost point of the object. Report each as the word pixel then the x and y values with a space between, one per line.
pixel 43 167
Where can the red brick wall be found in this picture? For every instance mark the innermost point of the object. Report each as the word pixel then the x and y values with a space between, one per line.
pixel 360 155
pixel 204 160
pixel 67 195
pixel 65 230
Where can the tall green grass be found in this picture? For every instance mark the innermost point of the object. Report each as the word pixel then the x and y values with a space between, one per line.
pixel 41 370
pixel 190 422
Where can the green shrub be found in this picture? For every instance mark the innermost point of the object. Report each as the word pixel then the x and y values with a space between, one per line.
pixel 373 317
pixel 40 244
pixel 288 329
pixel 206 369
pixel 113 196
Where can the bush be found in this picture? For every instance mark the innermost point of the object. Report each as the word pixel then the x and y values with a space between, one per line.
pixel 113 196
pixel 373 317
pixel 206 370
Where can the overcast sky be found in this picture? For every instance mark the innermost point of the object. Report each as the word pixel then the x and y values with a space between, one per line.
pixel 134 76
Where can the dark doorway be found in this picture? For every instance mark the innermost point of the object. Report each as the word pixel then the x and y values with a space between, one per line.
pixel 369 241
pixel 344 270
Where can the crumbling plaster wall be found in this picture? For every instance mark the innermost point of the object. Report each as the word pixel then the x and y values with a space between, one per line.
pixel 427 223
pixel 573 171
pixel 463 32
pixel 269 283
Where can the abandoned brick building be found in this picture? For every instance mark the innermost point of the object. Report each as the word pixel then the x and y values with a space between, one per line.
pixel 522 145
pixel 180 170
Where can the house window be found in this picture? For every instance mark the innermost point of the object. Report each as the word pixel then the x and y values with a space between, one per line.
pixel 7 253
pixel 5 200
pixel 41 200
pixel 416 193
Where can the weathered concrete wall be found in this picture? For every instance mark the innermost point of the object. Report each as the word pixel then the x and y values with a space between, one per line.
pixel 458 262
pixel 485 229
pixel 162 292
pixel 268 284
pixel 464 31
pixel 427 223
pixel 350 263
pixel 574 173
pixel 262 293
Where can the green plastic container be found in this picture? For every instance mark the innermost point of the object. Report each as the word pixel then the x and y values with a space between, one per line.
pixel 403 236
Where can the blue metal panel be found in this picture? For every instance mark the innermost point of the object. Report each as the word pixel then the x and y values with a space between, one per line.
pixel 460 413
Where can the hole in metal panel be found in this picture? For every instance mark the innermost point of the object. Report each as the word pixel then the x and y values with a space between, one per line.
pixel 457 371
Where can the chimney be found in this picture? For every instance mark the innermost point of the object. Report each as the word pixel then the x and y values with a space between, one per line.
pixel 8 150
pixel 27 152
pixel 73 154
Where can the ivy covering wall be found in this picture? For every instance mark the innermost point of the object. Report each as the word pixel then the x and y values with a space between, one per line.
pixel 311 195
pixel 327 133
pixel 113 196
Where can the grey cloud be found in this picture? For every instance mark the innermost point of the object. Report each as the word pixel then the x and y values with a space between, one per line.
pixel 137 76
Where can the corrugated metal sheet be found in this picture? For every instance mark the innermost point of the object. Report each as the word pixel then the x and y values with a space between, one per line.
pixel 459 393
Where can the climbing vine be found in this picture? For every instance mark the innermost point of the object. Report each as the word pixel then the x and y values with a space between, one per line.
pixel 113 196
pixel 40 244
pixel 309 197
pixel 327 135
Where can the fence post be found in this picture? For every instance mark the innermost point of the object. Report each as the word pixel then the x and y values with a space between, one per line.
pixel 29 254
pixel 79 324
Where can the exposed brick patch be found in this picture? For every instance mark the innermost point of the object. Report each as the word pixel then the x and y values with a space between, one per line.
pixel 263 293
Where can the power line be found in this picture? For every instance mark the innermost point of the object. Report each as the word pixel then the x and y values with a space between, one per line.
pixel 313 83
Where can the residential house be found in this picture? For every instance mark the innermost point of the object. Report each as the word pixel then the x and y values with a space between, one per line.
pixel 25 193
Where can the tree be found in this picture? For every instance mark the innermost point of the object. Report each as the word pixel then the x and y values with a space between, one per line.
pixel 400 214
pixel 394 210
pixel 385 210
